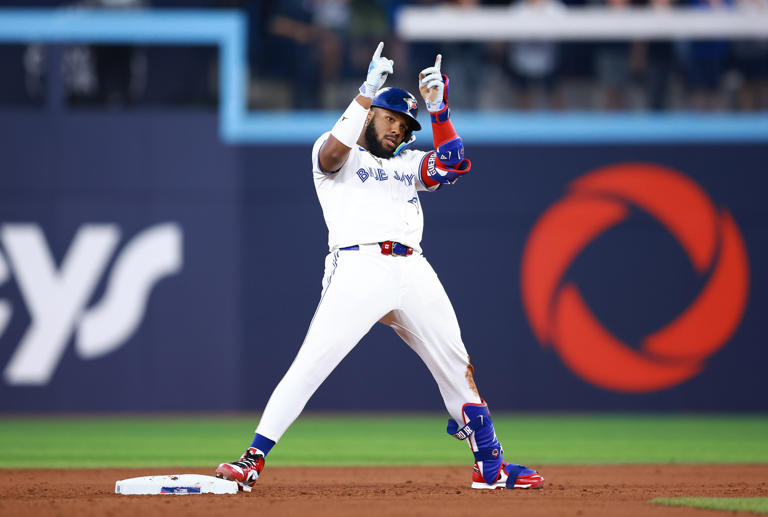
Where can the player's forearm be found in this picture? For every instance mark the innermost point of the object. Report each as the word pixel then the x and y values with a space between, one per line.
pixel 364 101
pixel 344 135
pixel 449 163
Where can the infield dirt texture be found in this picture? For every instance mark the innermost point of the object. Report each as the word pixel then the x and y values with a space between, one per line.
pixel 615 490
pixel 382 464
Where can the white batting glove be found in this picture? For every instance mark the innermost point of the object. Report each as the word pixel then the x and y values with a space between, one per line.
pixel 432 87
pixel 378 71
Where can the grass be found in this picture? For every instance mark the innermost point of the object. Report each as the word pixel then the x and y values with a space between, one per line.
pixel 733 504
pixel 379 439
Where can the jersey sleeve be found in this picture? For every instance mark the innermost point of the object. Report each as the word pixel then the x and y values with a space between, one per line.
pixel 419 162
pixel 316 169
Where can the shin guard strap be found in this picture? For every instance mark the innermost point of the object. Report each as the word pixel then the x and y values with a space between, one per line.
pixel 513 471
pixel 466 431
pixel 489 454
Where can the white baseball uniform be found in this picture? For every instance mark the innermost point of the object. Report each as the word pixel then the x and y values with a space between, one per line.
pixel 368 201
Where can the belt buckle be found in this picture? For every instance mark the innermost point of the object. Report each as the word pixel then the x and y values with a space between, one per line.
pixel 395 248
pixel 399 249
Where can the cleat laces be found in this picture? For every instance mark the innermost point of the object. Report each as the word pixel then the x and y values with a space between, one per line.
pixel 248 461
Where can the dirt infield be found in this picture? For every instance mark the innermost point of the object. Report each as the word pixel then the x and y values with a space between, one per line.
pixel 396 491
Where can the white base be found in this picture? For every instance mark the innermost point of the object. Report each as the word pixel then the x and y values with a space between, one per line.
pixel 175 484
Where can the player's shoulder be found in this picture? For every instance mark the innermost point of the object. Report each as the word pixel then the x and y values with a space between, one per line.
pixel 321 139
pixel 316 169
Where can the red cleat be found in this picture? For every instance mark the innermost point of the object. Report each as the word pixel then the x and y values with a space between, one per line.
pixel 510 476
pixel 245 471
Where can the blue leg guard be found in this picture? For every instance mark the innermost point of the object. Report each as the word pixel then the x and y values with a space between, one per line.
pixel 479 432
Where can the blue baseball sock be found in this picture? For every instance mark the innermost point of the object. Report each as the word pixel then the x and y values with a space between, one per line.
pixel 262 443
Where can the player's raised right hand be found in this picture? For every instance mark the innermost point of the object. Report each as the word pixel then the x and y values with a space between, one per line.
pixel 378 71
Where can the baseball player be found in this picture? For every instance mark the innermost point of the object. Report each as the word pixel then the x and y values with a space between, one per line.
pixel 368 184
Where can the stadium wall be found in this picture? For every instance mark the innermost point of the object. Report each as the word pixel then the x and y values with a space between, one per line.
pixel 146 265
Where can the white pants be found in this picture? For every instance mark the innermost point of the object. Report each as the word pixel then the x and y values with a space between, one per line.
pixel 361 288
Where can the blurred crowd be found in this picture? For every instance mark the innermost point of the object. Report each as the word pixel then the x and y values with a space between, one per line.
pixel 312 54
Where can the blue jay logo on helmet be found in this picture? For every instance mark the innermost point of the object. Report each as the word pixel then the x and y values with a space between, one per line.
pixel 401 101
pixel 412 104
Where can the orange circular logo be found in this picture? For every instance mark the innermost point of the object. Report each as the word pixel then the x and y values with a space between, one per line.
pixel 560 316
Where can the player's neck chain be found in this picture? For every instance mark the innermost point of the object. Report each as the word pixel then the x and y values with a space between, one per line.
pixel 378 160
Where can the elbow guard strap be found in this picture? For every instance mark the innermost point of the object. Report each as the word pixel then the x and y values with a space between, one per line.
pixel 435 172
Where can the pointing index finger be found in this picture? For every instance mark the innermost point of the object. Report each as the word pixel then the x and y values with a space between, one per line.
pixel 377 54
pixel 438 60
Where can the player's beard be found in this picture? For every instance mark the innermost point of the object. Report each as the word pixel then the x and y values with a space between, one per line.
pixel 373 145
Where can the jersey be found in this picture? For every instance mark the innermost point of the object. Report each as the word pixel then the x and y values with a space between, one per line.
pixel 371 199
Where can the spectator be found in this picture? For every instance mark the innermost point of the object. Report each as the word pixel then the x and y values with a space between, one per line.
pixel 369 23
pixel 332 17
pixel 535 65
pixel 113 75
pixel 308 51
pixel 704 63
pixel 750 60
pixel 656 62
pixel 614 62
pixel 466 63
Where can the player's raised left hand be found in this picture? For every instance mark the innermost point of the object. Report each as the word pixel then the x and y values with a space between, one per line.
pixel 433 86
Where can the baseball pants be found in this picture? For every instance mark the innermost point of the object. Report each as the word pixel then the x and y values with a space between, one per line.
pixel 362 287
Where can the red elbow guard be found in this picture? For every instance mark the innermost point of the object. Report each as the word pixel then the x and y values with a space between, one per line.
pixel 434 172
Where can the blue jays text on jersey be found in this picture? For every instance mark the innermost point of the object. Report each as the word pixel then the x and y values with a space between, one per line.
pixel 381 175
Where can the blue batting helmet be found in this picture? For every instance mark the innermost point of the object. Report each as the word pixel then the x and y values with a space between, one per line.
pixel 399 100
